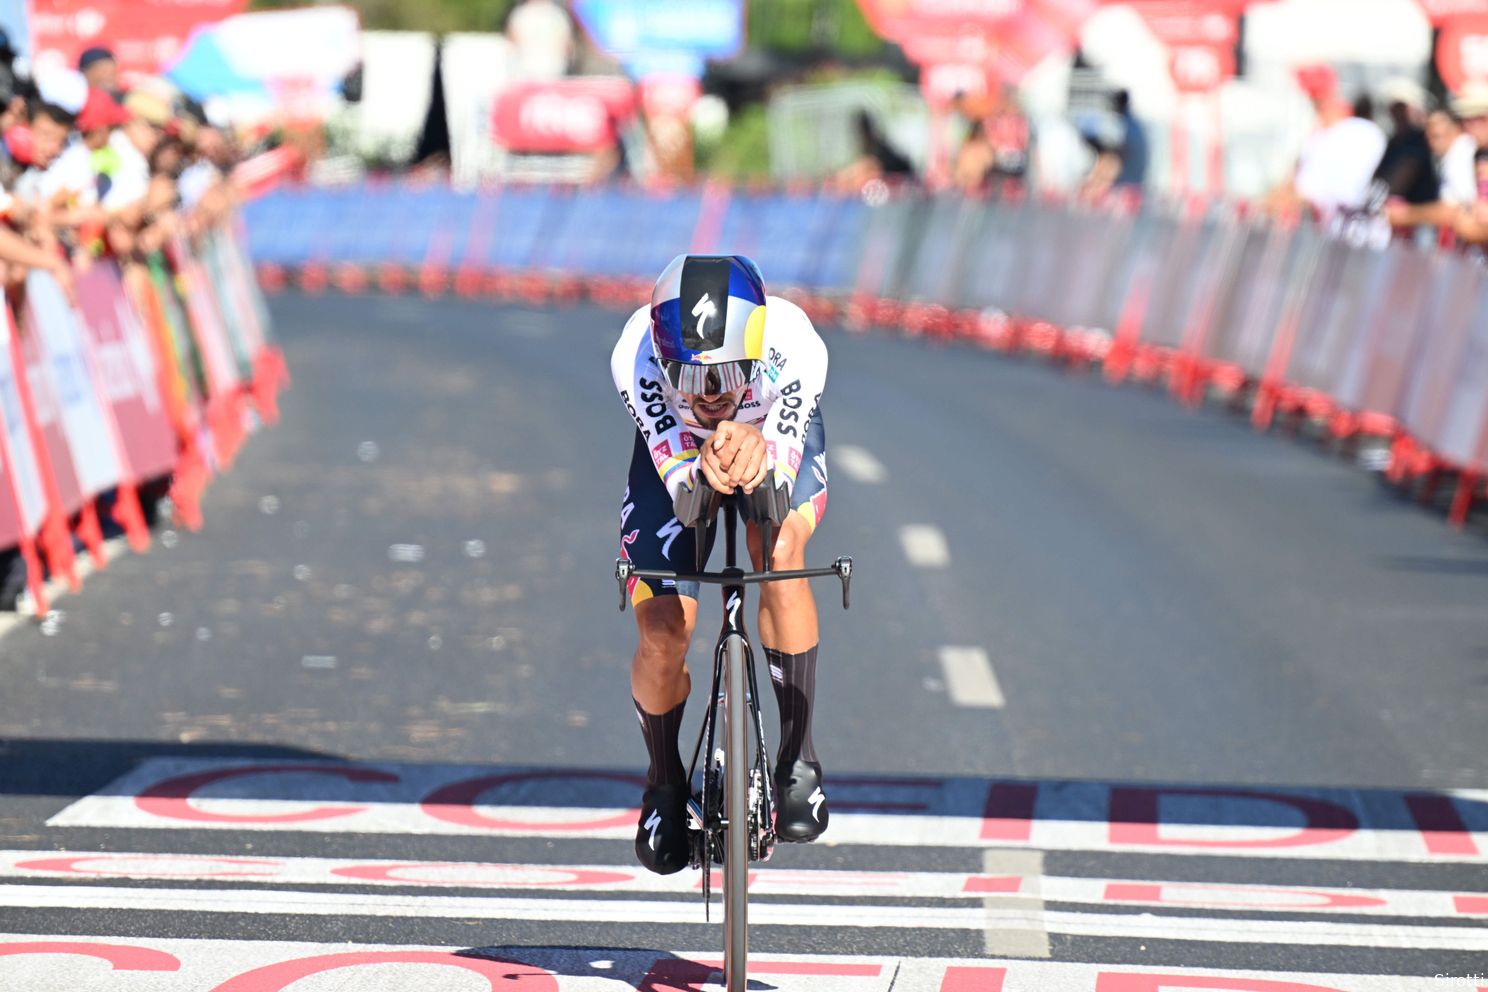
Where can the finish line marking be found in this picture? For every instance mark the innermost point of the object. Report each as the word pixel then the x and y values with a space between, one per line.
pixel 1199 821
pixel 1008 878
pixel 799 915
pixel 70 963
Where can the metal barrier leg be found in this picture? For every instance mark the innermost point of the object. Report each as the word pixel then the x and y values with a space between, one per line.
pixel 1463 499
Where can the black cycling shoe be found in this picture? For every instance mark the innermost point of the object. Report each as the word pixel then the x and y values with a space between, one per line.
pixel 661 842
pixel 801 805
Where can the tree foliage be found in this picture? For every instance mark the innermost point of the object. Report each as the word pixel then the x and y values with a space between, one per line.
pixel 417 15
pixel 832 27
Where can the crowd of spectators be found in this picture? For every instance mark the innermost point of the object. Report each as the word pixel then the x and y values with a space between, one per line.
pixel 90 167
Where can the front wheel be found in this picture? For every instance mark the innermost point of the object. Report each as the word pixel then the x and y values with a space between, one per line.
pixel 736 766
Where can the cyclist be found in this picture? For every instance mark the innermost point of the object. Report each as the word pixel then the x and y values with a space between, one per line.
pixel 723 384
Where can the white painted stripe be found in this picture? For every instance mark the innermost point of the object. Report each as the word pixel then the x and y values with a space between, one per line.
pixel 684 912
pixel 969 678
pixel 167 965
pixel 925 545
pixel 1006 875
pixel 858 463
pixel 330 797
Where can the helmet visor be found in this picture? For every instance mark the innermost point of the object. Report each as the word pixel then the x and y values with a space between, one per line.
pixel 709 380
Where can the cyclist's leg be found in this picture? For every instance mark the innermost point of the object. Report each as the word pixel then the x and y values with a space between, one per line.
pixel 665 615
pixel 789 635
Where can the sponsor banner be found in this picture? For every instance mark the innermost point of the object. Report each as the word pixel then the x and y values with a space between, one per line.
pixel 445 875
pixel 23 502
pixel 683 32
pixel 208 330
pixel 68 408
pixel 126 371
pixel 42 962
pixel 1462 49
pixel 144 35
pixel 1190 22
pixel 1441 11
pixel 957 812
pixel 566 115
pixel 1202 68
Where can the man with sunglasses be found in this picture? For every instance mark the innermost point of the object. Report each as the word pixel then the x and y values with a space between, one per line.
pixel 723 384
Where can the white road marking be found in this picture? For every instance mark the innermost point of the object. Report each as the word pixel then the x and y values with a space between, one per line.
pixel 859 464
pixel 66 963
pixel 970 679
pixel 1006 876
pixel 999 867
pixel 1145 926
pixel 925 545
pixel 1442 826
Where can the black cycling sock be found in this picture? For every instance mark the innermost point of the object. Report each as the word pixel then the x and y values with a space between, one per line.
pixel 794 678
pixel 660 731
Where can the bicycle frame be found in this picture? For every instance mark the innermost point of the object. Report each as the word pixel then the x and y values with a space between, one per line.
pixel 740 828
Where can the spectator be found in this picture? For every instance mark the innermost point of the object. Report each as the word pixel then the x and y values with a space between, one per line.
pixel 1407 167
pixel 1452 149
pixel 1132 152
pixel 877 159
pixel 1338 160
pixel 999 139
pixel 1471 107
pixel 101 70
pixel 543 36
pixel 975 161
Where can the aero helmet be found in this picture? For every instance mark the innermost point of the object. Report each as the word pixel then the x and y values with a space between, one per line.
pixel 708 322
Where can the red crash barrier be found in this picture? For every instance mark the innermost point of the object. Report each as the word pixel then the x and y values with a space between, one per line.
pixel 112 395
pixel 1292 320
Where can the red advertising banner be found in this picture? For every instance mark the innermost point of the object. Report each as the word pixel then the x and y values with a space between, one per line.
pixel 1440 11
pixel 1009 37
pixel 1190 22
pixel 564 116
pixel 1462 50
pixel 144 35
pixel 1199 68
pixel 126 372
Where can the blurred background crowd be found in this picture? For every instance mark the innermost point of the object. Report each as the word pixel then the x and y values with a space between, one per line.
pixel 121 119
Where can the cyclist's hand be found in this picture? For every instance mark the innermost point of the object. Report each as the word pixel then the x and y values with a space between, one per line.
pixel 734 456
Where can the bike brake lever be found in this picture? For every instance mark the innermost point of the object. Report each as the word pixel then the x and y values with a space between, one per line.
pixel 843 566
pixel 623 570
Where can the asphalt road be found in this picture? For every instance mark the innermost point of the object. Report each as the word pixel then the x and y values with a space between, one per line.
pixel 1126 690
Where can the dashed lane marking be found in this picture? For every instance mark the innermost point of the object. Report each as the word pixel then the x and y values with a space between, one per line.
pixel 970 679
pixel 925 546
pixel 859 464
pixel 1028 868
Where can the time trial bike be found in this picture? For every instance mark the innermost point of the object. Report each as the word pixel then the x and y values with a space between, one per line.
pixel 731 813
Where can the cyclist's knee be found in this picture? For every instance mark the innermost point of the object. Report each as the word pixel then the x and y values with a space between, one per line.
pixel 790 543
pixel 665 625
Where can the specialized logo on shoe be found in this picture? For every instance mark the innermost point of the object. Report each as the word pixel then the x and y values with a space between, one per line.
pixel 653 823
pixel 816 800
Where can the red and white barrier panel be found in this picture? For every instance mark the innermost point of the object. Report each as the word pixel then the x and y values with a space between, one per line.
pixel 102 399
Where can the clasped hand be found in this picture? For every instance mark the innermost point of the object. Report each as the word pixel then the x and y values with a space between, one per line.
pixel 734 456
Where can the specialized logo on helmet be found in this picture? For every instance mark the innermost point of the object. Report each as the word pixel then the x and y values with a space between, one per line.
pixel 705 311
